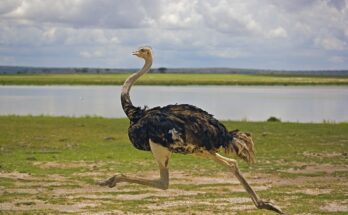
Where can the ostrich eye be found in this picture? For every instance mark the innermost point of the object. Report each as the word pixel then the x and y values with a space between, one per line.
pixel 142 50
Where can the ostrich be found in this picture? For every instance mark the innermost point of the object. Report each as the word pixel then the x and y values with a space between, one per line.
pixel 182 129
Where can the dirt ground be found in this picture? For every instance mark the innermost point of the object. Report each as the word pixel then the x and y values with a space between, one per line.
pixel 188 193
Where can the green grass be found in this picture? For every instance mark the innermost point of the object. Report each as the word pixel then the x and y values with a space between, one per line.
pixel 28 143
pixel 27 139
pixel 170 79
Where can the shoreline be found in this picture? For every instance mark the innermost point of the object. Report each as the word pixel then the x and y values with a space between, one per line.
pixel 174 79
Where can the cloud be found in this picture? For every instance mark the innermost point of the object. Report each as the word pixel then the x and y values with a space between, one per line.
pixel 229 17
pixel 330 43
pixel 337 59
pixel 227 53
pixel 8 5
pixel 268 34
pixel 87 13
pixel 338 4
pixel 6 60
pixel 179 14
pixel 92 54
pixel 278 32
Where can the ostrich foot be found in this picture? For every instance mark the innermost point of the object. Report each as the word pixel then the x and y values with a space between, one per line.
pixel 269 206
pixel 111 182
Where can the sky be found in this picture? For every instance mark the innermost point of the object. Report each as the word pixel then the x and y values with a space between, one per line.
pixel 267 34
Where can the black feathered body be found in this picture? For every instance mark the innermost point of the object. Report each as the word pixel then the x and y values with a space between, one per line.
pixel 180 128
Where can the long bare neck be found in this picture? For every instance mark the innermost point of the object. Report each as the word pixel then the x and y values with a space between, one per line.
pixel 127 105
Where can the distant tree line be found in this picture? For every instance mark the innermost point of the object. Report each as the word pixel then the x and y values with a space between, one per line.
pixel 85 70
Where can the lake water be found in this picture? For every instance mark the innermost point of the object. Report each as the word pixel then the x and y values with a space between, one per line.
pixel 254 103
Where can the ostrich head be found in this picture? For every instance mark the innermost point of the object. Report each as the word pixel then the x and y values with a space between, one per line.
pixel 144 52
pixel 243 145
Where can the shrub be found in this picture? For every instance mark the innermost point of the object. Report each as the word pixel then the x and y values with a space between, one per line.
pixel 273 119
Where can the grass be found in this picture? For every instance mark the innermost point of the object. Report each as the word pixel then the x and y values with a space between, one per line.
pixel 170 79
pixel 53 156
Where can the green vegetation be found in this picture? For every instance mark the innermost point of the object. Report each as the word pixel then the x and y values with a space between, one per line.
pixel 170 79
pixel 273 119
pixel 50 165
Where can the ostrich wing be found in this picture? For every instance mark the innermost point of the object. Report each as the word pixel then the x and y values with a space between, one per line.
pixel 157 126
pixel 178 124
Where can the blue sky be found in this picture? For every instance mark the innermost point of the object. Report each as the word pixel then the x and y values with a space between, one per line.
pixel 268 34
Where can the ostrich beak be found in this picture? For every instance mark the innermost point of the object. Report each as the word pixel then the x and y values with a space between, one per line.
pixel 136 53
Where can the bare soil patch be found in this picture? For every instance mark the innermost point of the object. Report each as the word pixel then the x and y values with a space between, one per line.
pixel 68 165
pixel 188 192
pixel 25 205
pixel 335 206
pixel 303 168
pixel 325 154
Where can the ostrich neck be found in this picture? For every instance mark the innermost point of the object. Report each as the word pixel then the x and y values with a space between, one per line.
pixel 132 78
pixel 126 102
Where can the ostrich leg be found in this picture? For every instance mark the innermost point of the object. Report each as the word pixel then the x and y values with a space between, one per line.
pixel 162 156
pixel 232 164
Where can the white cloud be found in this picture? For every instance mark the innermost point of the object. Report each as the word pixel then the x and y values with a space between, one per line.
pixel 337 59
pixel 92 54
pixel 5 60
pixel 330 43
pixel 50 33
pixel 227 53
pixel 278 33
pixel 229 17
pixel 337 4
pixel 179 14
pixel 257 34
pixel 8 5
pixel 88 13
